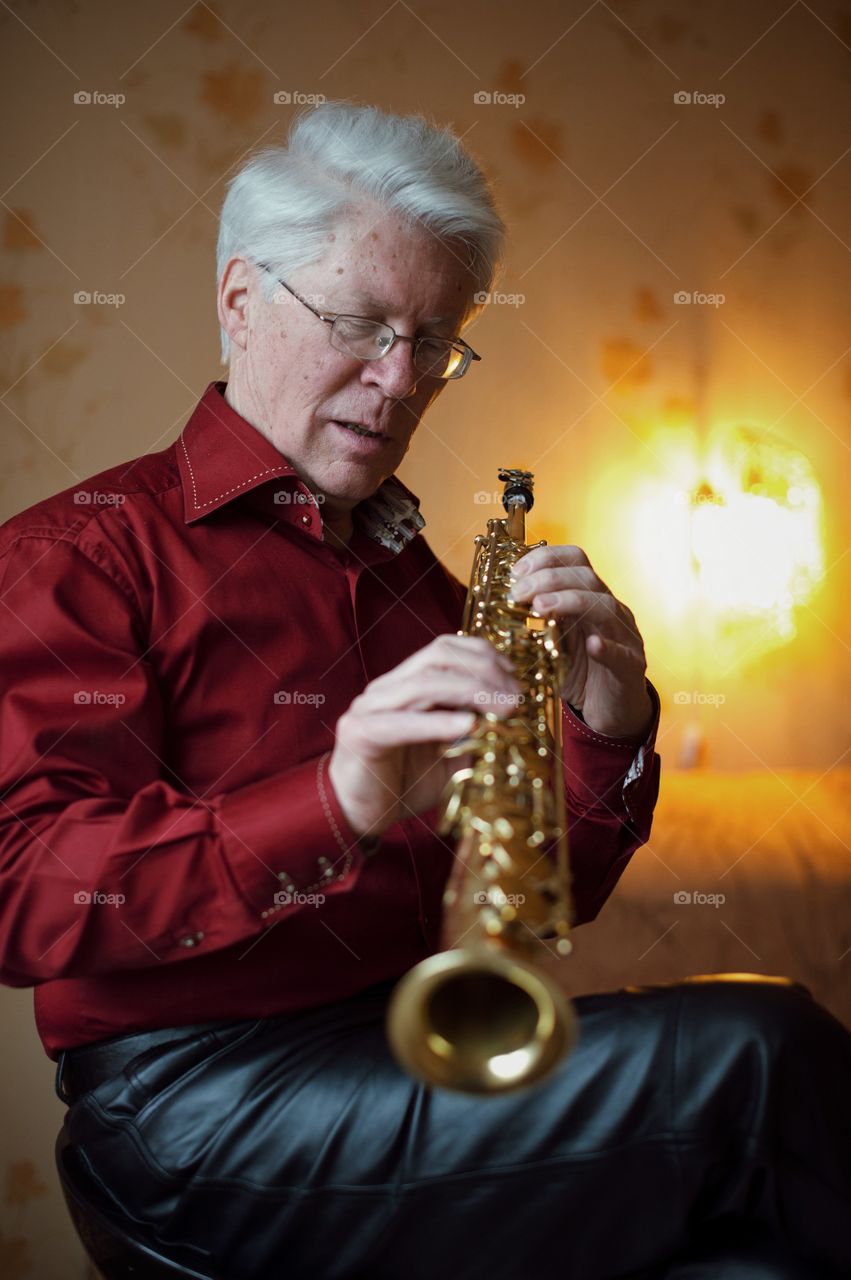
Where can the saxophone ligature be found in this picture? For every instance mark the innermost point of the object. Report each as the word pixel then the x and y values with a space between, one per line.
pixel 481 1016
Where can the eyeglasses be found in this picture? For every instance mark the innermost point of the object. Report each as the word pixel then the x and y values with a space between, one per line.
pixel 367 339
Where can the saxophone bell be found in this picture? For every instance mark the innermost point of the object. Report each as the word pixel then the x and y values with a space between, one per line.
pixel 477 1021
pixel 484 1017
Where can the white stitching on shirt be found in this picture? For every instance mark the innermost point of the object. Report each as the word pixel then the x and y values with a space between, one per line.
pixel 393 533
pixel 636 767
pixel 328 814
pixel 324 880
pixel 607 740
pixel 199 506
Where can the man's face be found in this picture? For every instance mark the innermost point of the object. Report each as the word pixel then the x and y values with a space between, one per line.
pixel 289 381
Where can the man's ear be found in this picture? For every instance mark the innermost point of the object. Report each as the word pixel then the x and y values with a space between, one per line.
pixel 232 301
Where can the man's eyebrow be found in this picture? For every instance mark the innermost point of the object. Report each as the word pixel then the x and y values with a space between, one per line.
pixel 362 299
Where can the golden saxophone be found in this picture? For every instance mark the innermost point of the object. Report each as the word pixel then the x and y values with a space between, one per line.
pixel 482 1017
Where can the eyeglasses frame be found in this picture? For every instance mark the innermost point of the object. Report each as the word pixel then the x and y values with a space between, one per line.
pixel 467 359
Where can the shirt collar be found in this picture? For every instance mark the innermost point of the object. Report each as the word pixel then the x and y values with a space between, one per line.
pixel 221 456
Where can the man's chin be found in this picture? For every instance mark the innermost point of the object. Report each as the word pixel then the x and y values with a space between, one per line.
pixel 360 481
pixel 338 502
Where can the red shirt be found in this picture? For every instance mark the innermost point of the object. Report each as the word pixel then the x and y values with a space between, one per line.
pixel 177 644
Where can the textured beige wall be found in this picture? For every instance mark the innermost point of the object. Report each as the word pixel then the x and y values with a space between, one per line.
pixel 617 197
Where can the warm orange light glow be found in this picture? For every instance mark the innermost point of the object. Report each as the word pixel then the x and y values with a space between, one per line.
pixel 725 542
pixel 756 537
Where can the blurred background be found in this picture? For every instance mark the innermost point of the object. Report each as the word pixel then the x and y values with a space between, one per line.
pixel 668 349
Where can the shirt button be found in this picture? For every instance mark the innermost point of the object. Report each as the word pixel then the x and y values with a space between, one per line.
pixel 305 519
pixel 191 939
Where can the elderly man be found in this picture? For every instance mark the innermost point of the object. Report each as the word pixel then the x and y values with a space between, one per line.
pixel 232 674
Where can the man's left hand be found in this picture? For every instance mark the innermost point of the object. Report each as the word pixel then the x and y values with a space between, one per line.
pixel 604 648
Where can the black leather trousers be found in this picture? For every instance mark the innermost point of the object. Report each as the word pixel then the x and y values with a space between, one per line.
pixel 700 1131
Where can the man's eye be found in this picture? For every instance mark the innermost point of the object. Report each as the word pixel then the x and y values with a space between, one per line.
pixel 356 327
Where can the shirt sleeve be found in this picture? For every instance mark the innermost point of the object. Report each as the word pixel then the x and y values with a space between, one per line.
pixel 104 865
pixel 611 789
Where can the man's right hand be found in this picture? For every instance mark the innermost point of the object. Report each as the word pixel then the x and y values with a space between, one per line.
pixel 388 758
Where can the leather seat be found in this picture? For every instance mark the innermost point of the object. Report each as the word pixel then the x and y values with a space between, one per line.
pixel 115 1254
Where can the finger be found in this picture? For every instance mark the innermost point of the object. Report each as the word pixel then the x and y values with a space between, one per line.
pixel 562 578
pixel 439 689
pixel 455 650
pixel 623 660
pixel 546 557
pixel 471 654
pixel 598 608
pixel 399 729
pixel 467 649
pixel 571 640
pixel 457 680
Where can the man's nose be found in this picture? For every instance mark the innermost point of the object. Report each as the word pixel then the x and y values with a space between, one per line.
pixel 394 372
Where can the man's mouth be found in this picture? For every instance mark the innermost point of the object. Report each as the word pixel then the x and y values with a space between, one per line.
pixel 360 430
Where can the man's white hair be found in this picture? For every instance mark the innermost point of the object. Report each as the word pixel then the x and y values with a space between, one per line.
pixel 282 203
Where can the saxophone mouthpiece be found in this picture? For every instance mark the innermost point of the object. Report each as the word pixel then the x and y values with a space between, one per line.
pixel 518 488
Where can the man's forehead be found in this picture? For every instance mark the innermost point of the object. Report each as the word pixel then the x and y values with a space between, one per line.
pixel 352 257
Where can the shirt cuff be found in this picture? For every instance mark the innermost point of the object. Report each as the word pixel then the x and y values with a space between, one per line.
pixel 607 774
pixel 287 839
